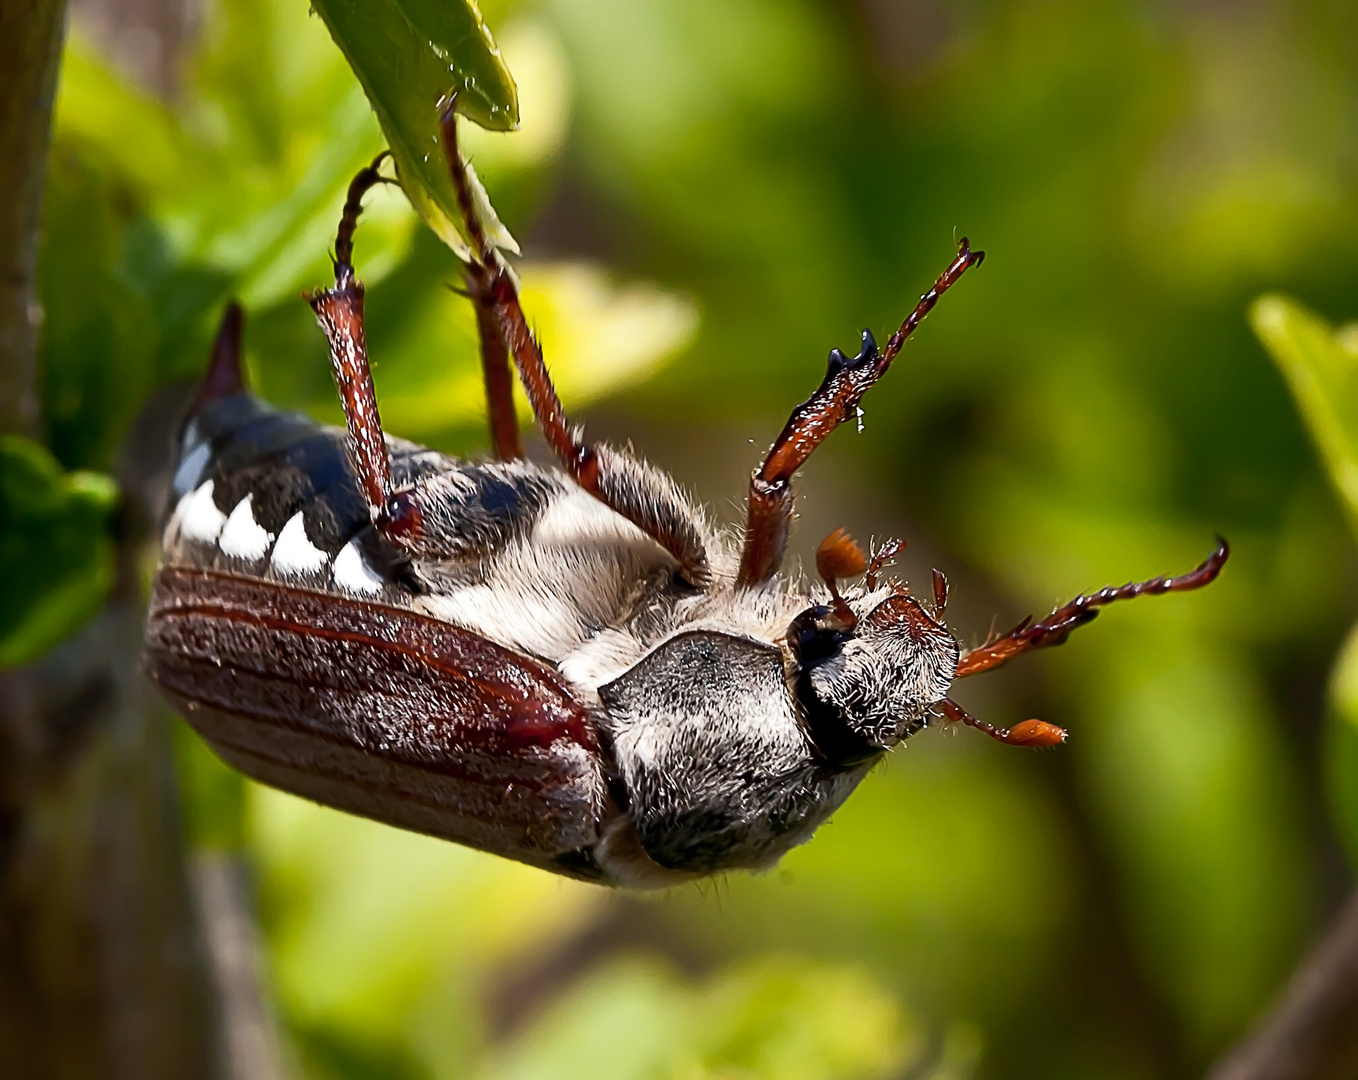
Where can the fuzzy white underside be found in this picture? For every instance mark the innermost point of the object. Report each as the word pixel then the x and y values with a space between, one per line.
pixel 551 592
pixel 559 593
pixel 197 516
pixel 352 573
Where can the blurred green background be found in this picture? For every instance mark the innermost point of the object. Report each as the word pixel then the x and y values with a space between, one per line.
pixel 709 194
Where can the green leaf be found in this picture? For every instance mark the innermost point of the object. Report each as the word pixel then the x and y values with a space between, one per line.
pixel 599 337
pixel 1321 368
pixel 56 555
pixel 410 55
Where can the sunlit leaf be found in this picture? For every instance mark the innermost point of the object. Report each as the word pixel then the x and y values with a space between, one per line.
pixel 598 337
pixel 367 922
pixel 127 126
pixel 246 182
pixel 410 55
pixel 56 555
pixel 914 890
pixel 1321 367
pixel 1174 745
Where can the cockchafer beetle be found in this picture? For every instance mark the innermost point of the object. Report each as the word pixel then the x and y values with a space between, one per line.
pixel 565 666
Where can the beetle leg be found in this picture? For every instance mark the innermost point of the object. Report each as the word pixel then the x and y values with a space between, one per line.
pixel 940 593
pixel 504 424
pixel 398 514
pixel 645 497
pixel 340 313
pixel 1056 627
pixel 769 509
pixel 1037 733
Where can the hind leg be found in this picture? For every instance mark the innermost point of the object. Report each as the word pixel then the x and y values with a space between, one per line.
pixel 644 496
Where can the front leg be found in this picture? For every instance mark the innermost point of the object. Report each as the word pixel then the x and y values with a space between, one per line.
pixel 847 379
pixel 1056 627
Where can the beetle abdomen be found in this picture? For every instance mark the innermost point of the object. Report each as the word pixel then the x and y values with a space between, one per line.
pixel 272 495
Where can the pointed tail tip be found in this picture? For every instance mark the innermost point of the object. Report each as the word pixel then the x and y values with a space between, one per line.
pixel 225 375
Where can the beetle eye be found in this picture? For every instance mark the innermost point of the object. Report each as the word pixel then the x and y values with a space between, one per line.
pixel 816 636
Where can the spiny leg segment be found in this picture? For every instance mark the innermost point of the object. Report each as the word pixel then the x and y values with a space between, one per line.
pixel 340 313
pixel 499 380
pixel 769 508
pixel 398 514
pixel 643 496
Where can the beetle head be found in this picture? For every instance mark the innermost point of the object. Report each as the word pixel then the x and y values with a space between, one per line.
pixel 868 671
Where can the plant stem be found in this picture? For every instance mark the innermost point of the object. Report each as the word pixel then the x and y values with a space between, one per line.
pixel 102 972
pixel 30 51
pixel 1312 1032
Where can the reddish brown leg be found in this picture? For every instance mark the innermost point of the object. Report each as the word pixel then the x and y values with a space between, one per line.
pixel 1036 733
pixel 399 514
pixel 1056 627
pixel 647 499
pixel 769 511
pixel 504 425
pixel 340 313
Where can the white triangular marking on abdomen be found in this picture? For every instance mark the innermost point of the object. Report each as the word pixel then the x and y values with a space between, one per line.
pixel 243 537
pixel 199 518
pixel 294 553
pixel 352 572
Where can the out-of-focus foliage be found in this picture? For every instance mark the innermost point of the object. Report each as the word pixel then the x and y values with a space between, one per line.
pixel 1321 366
pixel 157 214
pixel 1341 745
pixel 1088 407
pixel 409 55
pixel 773 1018
pixel 56 554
